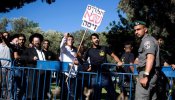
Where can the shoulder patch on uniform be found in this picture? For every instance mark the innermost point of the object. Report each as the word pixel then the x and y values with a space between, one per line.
pixel 147 44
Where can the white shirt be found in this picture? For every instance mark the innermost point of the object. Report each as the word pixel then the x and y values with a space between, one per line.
pixel 68 54
pixel 41 55
pixel 5 54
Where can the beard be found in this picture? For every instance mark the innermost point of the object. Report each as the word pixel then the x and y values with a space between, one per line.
pixel 96 43
pixel 37 46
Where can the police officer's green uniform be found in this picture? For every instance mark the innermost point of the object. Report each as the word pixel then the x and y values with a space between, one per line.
pixel 148 46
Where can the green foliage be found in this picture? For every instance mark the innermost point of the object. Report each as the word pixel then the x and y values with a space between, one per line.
pixel 159 14
pixel 119 33
pixel 18 25
pixel 55 38
pixel 3 24
pixel 27 27
pixel 24 26
pixel 78 35
pixel 103 39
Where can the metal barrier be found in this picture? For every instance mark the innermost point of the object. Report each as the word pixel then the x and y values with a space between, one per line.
pixel 85 84
pixel 21 83
pixel 167 70
pixel 37 83
pixel 117 74
pixel 170 74
pixel 5 77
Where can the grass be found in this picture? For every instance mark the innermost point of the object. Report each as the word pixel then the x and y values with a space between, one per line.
pixel 53 86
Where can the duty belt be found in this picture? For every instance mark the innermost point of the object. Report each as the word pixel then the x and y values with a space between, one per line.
pixel 153 70
pixel 140 69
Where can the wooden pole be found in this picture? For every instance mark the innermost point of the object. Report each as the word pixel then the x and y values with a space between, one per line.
pixel 82 40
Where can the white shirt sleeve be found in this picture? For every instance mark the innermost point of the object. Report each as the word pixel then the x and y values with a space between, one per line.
pixel 62 44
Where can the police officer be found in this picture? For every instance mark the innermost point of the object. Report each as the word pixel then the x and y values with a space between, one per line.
pixel 148 61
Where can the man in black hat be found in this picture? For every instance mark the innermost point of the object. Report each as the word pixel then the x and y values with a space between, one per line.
pixel 148 62
pixel 31 55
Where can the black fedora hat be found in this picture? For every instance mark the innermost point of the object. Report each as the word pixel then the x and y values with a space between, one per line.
pixel 36 35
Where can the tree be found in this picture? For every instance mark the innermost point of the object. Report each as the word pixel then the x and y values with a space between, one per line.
pixel 24 26
pixel 159 14
pixel 3 24
pixel 18 25
pixel 78 35
pixel 119 33
pixel 55 39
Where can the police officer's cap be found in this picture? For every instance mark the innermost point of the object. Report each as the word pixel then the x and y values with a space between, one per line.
pixel 138 22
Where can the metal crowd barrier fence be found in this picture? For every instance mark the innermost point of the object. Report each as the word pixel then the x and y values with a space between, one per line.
pixel 121 76
pixel 166 70
pixel 22 82
pixel 5 79
pixel 37 83
pixel 170 74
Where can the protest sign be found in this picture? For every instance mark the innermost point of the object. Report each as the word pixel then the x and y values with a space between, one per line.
pixel 92 17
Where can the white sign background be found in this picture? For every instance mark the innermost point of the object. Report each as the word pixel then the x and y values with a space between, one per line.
pixel 92 17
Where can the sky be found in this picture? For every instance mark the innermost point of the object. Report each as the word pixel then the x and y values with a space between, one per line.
pixel 64 15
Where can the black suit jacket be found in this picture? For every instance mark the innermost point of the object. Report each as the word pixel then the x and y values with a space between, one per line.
pixel 28 56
